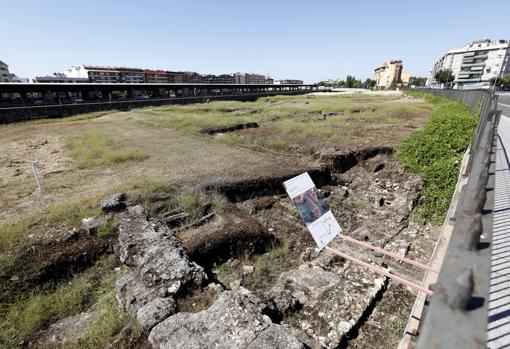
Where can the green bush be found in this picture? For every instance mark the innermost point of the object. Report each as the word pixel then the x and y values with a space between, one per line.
pixel 436 152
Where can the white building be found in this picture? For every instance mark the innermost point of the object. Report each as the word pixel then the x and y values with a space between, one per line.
pixel 5 76
pixel 106 74
pixel 474 64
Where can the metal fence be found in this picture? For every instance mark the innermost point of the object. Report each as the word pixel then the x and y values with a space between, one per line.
pixel 457 315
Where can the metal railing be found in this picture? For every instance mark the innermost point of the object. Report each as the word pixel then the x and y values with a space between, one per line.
pixel 457 315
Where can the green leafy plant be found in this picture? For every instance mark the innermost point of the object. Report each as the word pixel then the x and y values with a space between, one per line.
pixel 436 152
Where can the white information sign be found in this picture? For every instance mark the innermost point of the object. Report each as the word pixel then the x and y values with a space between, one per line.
pixel 313 209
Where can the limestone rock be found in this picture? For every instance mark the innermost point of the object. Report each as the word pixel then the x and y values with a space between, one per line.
pixel 66 330
pixel 154 312
pixel 161 268
pixel 234 321
pixel 113 203
pixel 340 291
pixel 92 224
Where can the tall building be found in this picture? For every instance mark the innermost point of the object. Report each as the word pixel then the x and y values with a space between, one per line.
pixel 474 64
pixel 389 73
pixel 5 76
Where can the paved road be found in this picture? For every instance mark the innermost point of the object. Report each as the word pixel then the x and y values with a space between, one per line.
pixel 499 302
pixel 504 103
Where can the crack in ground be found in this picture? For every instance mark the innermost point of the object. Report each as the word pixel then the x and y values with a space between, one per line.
pixel 354 331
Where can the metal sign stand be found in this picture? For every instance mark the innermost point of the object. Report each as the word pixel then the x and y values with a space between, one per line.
pixel 36 166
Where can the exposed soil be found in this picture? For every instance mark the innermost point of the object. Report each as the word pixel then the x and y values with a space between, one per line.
pixel 44 264
pixel 230 235
pixel 215 130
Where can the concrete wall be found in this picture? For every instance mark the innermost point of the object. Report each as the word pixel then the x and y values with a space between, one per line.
pixel 17 114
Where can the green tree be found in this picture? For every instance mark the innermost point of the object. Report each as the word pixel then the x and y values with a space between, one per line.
pixel 369 83
pixel 417 81
pixel 444 76
pixel 501 82
pixel 350 81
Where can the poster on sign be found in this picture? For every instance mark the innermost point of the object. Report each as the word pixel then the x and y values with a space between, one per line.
pixel 313 209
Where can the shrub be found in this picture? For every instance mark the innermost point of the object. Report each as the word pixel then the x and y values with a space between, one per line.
pixel 436 152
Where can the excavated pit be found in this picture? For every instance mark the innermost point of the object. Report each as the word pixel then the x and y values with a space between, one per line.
pixel 45 264
pixel 340 162
pixel 229 235
pixel 237 127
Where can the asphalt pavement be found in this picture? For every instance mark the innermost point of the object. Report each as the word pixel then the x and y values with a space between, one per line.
pixel 498 334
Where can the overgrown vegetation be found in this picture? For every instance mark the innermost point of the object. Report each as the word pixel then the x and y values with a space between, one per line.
pixel 287 121
pixel 112 320
pixel 436 153
pixel 94 289
pixel 94 148
pixel 195 203
pixel 110 228
pixel 42 309
pixel 16 232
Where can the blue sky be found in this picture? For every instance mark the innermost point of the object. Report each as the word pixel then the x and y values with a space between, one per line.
pixel 310 40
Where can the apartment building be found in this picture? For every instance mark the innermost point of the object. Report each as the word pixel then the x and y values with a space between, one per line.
pixel 97 74
pixel 405 78
pixel 111 75
pixel 387 74
pixel 218 79
pixel 157 76
pixel 5 76
pixel 474 64
pixel 132 75
pixel 288 82
pixel 59 78
pixel 245 78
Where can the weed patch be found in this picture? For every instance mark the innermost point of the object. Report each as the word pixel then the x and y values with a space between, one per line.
pixel 287 120
pixel 195 203
pixel 16 232
pixel 94 148
pixel 100 332
pixel 40 310
pixel 92 290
